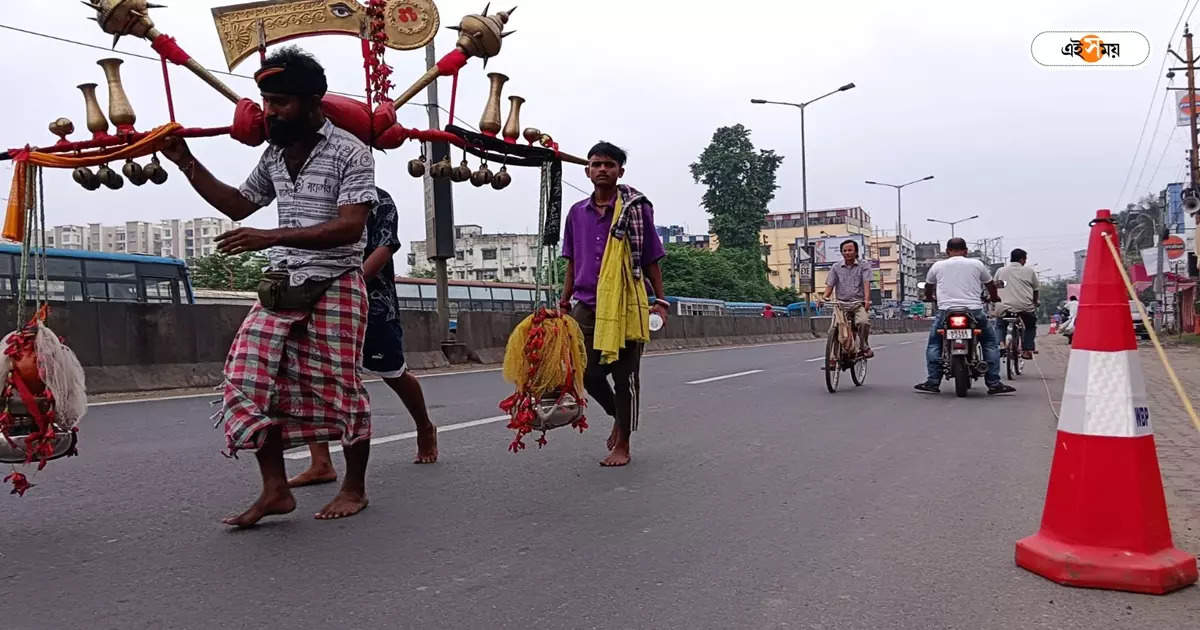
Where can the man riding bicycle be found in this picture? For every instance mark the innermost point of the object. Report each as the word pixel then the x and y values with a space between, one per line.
pixel 959 282
pixel 851 279
pixel 1018 295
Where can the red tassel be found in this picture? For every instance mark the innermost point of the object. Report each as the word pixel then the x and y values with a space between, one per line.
pixel 20 483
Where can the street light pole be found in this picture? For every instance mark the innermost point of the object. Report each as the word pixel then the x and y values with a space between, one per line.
pixel 803 160
pixel 900 228
pixel 953 223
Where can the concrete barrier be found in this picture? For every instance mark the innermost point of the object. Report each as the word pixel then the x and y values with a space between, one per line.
pixel 422 340
pixel 138 347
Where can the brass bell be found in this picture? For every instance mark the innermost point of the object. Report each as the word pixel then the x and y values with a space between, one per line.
pixel 134 173
pixel 416 166
pixel 482 177
pixel 155 172
pixel 86 178
pixel 110 178
pixel 441 169
pixel 531 135
pixel 461 173
pixel 501 179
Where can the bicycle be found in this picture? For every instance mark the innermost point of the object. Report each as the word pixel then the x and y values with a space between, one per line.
pixel 1013 346
pixel 841 351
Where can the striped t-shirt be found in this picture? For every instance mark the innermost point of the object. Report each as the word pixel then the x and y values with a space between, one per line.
pixel 340 171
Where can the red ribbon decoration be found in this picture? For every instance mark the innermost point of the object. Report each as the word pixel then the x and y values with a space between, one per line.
pixel 166 47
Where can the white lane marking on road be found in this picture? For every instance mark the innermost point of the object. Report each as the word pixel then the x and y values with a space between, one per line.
pixel 904 343
pixel 813 360
pixel 481 371
pixel 302 453
pixel 880 348
pixel 721 378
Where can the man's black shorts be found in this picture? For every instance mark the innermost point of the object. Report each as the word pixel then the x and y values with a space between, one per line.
pixel 383 350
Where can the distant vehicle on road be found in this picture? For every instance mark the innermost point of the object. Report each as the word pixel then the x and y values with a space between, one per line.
pixel 696 306
pixel 85 276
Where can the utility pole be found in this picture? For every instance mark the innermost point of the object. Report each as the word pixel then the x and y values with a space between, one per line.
pixel 439 208
pixel 1193 172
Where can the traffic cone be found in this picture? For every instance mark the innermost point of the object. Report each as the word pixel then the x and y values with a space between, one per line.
pixel 1105 520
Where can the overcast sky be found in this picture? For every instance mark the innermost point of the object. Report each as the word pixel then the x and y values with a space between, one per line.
pixel 946 88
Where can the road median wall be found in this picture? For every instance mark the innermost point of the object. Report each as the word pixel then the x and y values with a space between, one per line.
pixel 128 347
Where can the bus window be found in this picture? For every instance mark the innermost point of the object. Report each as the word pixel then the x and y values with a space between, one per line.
pixel 503 299
pixel 113 292
pixel 6 264
pixel 60 267
pixel 109 269
pixel 154 270
pixel 65 291
pixel 158 290
pixel 481 299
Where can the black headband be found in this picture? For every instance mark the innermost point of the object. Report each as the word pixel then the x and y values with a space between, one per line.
pixel 280 79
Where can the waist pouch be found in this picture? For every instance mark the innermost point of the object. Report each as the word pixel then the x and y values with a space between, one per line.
pixel 276 292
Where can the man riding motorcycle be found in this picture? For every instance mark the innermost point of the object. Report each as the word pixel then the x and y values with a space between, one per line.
pixel 1018 295
pixel 959 283
pixel 852 280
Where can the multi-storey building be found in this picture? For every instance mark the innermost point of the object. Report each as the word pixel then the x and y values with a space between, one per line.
pixel 479 256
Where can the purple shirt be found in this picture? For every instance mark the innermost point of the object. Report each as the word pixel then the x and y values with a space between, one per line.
pixel 586 236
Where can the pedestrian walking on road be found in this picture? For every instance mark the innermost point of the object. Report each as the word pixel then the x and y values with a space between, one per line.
pixel 383 352
pixel 291 376
pixel 612 251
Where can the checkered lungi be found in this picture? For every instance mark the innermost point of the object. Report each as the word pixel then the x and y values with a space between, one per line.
pixel 299 370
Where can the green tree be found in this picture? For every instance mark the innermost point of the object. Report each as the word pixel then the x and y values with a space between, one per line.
pixel 1051 295
pixel 730 274
pixel 740 181
pixel 218 271
pixel 423 272
pixel 1137 225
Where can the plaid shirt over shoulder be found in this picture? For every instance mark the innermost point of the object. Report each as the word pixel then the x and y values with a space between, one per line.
pixel 340 171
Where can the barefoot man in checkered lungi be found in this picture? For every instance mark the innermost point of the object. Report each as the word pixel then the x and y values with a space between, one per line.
pixel 291 376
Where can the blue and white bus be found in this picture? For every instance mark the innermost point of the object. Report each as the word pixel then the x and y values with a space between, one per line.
pixel 85 276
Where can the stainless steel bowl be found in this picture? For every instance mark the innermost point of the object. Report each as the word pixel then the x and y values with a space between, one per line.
pixel 551 413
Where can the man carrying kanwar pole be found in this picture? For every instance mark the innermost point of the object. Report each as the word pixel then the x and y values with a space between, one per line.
pixel 383 351
pixel 291 377
pixel 612 251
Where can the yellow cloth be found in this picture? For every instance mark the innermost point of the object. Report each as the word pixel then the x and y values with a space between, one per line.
pixel 14 219
pixel 622 307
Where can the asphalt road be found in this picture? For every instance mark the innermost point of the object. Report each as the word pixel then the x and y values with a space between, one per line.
pixel 757 501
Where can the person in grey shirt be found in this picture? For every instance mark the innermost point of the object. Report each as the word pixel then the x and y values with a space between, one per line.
pixel 1018 295
pixel 291 377
pixel 851 279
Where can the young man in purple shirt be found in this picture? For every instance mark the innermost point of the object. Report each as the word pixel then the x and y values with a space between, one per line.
pixel 588 226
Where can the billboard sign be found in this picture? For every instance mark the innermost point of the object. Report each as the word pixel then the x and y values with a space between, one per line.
pixel 827 250
pixel 805 268
pixel 1175 212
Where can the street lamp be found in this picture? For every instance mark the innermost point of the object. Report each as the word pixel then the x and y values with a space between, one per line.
pixel 953 223
pixel 803 164
pixel 899 227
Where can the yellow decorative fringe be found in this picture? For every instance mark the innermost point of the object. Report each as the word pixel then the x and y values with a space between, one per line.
pixel 561 348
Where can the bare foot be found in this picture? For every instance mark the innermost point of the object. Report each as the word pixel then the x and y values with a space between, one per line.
pixel 618 457
pixel 315 475
pixel 613 437
pixel 345 504
pixel 427 451
pixel 266 505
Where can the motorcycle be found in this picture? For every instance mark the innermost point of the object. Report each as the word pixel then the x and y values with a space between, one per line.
pixel 962 347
